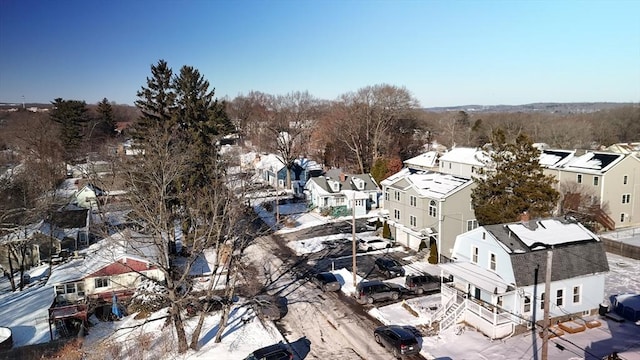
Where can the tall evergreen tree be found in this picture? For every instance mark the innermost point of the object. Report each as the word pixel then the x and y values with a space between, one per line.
pixel 157 100
pixel 512 182
pixel 201 120
pixel 107 121
pixel 72 117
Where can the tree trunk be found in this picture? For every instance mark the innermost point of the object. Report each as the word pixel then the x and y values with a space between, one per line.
pixel 229 293
pixel 179 325
pixel 13 283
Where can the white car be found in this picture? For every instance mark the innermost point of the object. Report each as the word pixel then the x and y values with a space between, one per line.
pixel 373 244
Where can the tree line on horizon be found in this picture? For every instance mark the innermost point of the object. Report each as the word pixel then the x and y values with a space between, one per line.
pixel 180 180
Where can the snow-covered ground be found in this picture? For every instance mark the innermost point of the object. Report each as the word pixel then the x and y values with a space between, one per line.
pixel 26 314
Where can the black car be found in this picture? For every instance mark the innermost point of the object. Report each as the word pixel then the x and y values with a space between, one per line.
pixel 399 340
pixel 277 351
pixel 367 292
pixel 419 284
pixel 326 281
pixel 389 267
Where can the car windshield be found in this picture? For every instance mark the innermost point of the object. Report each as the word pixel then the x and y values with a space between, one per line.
pixel 328 277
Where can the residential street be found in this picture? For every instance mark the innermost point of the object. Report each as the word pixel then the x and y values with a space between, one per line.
pixel 336 326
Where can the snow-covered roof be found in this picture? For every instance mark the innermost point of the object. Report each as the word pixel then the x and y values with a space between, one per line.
pixel 118 246
pixel 270 161
pixel 550 232
pixel 596 162
pixel 422 161
pixel 555 158
pixel 430 184
pixel 463 155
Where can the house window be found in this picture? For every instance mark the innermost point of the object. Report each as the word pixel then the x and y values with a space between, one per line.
pixel 413 201
pixel 625 179
pixel 622 217
pixel 595 181
pixel 626 198
pixel 576 294
pixel 386 195
pixel 579 179
pixel 449 165
pixel 559 297
pixel 432 208
pixel 499 301
pixel 474 254
pixel 472 224
pixel 101 282
pixel 542 301
pixel 492 262
pixel 412 220
pixel 527 305
pixel 397 195
pixel 396 214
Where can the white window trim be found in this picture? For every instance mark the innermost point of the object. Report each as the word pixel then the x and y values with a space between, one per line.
pixel 564 297
pixel 495 262
pixel 573 294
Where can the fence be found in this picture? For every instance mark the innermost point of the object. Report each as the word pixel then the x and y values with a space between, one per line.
pixel 621 248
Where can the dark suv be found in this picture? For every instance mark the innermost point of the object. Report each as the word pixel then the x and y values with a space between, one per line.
pixel 369 291
pixel 419 284
pixel 272 352
pixel 389 267
pixel 400 340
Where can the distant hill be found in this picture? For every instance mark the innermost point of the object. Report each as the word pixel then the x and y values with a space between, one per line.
pixel 560 108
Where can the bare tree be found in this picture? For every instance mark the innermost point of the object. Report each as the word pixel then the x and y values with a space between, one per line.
pixel 364 118
pixel 292 118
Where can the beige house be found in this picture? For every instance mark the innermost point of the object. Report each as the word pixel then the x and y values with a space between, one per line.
pixel 427 207
pixel 612 179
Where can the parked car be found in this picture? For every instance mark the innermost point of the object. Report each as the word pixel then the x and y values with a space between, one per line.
pixel 401 341
pixel 367 292
pixel 277 351
pixel 373 244
pixel 389 267
pixel 326 281
pixel 270 307
pixel 419 284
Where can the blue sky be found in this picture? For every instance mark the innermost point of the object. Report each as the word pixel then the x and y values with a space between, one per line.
pixel 445 52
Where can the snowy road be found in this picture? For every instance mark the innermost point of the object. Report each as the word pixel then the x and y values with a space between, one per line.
pixel 336 327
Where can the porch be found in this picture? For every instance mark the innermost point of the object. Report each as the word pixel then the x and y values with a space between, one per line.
pixel 487 318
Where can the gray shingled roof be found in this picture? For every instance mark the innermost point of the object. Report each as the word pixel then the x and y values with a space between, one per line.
pixel 577 259
pixel 572 259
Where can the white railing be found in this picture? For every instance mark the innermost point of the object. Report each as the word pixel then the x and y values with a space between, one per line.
pixel 453 316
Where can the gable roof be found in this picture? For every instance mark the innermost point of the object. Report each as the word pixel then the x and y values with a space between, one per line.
pixel 348 185
pixel 271 162
pixel 129 245
pixel 578 252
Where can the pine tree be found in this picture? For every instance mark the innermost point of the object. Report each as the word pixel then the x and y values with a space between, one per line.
pixel 71 115
pixel 157 100
pixel 512 182
pixel 107 122
pixel 201 119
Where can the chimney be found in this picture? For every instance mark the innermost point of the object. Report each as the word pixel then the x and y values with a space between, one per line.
pixel 343 177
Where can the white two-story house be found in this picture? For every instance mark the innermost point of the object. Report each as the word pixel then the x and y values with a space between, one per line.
pixel 499 275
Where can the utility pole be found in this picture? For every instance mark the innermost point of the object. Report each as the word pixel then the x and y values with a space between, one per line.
pixel 277 202
pixel 547 297
pixel 353 233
